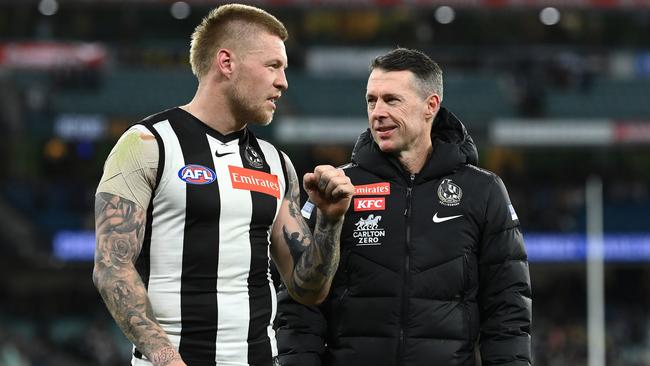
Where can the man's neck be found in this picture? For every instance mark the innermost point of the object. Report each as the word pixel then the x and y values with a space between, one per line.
pixel 413 160
pixel 211 108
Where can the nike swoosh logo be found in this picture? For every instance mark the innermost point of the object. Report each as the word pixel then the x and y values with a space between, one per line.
pixel 438 220
pixel 224 154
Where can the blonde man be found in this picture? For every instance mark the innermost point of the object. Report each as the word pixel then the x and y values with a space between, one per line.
pixel 191 205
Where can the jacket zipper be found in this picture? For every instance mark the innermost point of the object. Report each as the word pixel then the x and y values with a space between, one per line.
pixel 407 270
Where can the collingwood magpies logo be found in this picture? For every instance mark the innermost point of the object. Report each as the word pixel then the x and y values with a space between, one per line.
pixel 253 157
pixel 449 193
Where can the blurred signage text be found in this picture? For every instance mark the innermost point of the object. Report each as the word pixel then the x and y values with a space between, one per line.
pixel 52 55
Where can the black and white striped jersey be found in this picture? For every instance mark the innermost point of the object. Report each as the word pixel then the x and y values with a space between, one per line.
pixel 205 257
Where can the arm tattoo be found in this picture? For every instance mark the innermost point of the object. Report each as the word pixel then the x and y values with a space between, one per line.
pixel 315 257
pixel 296 247
pixel 165 356
pixel 120 227
pixel 318 263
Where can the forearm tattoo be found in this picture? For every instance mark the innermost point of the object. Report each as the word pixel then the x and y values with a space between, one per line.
pixel 315 256
pixel 296 246
pixel 165 356
pixel 318 262
pixel 120 227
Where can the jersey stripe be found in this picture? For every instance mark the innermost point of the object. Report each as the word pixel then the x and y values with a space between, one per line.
pixel 200 252
pixel 234 261
pixel 276 162
pixel 259 348
pixel 283 163
pixel 167 239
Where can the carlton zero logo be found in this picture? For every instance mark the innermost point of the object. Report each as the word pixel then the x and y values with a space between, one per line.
pixel 197 174
pixel 370 204
pixel 368 232
pixel 376 189
pixel 254 180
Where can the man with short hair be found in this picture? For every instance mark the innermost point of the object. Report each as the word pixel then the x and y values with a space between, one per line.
pixel 191 205
pixel 433 268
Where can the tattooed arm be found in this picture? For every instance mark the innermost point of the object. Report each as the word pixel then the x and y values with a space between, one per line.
pixel 119 225
pixel 307 262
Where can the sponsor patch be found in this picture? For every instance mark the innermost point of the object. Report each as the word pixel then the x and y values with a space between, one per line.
pixel 254 180
pixel 197 174
pixel 368 231
pixel 370 204
pixel 376 189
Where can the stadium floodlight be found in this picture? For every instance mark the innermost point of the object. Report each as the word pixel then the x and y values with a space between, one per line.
pixel 445 14
pixel 48 7
pixel 549 16
pixel 180 10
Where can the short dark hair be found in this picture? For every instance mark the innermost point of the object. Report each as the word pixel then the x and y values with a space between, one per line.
pixel 426 71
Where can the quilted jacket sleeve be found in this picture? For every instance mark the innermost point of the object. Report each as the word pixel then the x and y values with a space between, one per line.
pixel 300 332
pixel 504 288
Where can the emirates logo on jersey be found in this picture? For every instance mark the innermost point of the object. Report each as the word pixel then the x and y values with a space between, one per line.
pixel 254 180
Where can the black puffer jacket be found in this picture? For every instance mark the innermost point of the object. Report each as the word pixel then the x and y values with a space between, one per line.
pixel 433 268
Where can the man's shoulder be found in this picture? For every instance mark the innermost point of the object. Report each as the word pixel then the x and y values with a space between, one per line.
pixel 475 172
pixel 157 117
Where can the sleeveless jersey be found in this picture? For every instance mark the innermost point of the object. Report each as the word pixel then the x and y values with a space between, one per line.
pixel 205 256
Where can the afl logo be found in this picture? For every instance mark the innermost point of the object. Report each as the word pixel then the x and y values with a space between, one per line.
pixel 196 174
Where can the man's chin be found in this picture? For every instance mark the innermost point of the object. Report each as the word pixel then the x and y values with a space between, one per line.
pixel 386 147
pixel 261 119
pixel 262 122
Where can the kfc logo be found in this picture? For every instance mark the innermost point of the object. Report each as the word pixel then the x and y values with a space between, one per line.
pixel 370 204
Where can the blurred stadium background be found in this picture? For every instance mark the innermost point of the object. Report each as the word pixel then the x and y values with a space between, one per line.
pixel 554 92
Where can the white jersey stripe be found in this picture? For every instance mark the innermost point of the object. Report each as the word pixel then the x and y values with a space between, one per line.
pixel 234 260
pixel 167 240
pixel 274 309
pixel 273 157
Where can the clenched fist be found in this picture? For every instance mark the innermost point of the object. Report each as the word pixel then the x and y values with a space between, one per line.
pixel 330 190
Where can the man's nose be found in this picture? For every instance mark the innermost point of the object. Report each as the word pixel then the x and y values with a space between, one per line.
pixel 281 81
pixel 378 111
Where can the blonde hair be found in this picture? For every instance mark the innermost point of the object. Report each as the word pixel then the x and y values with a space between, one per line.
pixel 231 22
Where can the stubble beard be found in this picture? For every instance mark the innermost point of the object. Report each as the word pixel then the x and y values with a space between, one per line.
pixel 245 112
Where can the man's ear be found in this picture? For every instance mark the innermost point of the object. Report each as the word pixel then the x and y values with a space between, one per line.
pixel 433 105
pixel 223 62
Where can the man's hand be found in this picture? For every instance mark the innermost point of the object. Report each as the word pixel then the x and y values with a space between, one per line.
pixel 330 190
